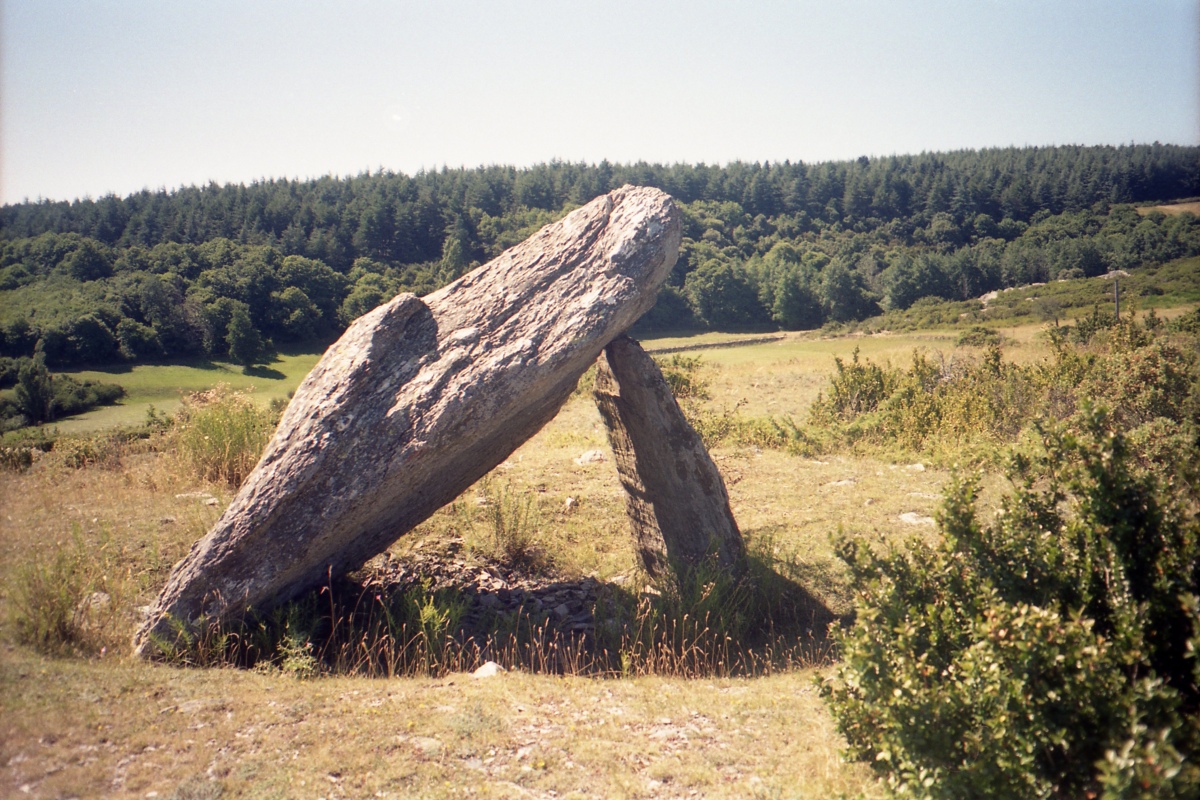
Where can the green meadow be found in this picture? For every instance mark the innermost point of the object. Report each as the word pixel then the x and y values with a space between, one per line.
pixel 163 386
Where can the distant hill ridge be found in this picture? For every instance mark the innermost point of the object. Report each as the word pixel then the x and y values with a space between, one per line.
pixel 238 269
pixel 400 218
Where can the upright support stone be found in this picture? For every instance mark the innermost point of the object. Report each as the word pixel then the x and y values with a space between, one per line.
pixel 418 400
pixel 677 502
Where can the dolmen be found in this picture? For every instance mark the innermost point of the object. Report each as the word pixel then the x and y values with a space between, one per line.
pixel 418 400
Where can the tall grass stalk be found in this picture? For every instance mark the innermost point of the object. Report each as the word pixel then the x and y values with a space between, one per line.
pixel 64 600
pixel 702 625
pixel 503 527
pixel 220 434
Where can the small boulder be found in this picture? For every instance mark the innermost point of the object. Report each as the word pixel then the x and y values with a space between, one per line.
pixel 488 669
pixel 591 457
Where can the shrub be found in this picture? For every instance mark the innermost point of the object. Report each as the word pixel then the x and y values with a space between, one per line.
pixel 1186 323
pixel 855 388
pixel 16 459
pixel 73 452
pixel 220 434
pixel 682 374
pixel 963 408
pixel 1050 653
pixel 730 426
pixel 979 336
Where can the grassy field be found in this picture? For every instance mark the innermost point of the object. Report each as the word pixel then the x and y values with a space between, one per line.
pixel 126 730
pixel 795 364
pixel 132 728
pixel 109 725
pixel 164 385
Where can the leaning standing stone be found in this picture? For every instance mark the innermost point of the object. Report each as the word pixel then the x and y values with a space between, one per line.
pixel 677 502
pixel 418 400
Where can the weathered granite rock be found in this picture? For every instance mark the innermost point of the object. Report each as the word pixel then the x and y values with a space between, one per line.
pixel 418 400
pixel 677 503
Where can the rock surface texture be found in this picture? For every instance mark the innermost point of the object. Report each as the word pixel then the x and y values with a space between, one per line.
pixel 677 503
pixel 419 399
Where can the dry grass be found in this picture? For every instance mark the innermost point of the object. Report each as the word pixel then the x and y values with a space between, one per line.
pixel 107 725
pixel 1172 209
pixel 126 730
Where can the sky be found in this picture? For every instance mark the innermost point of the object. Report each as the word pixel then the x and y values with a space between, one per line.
pixel 102 98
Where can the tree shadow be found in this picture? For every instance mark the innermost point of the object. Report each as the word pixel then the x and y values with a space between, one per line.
pixel 266 373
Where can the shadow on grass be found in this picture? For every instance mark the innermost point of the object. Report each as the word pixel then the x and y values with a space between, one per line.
pixel 425 617
pixel 266 373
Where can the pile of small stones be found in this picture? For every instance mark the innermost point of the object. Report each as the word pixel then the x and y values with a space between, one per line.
pixel 491 591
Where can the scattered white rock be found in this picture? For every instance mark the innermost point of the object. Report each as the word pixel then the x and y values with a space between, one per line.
pixel 870 501
pixel 918 467
pixel 592 457
pixel 96 601
pixel 203 497
pixel 427 746
pixel 489 669
pixel 913 518
pixel 570 505
pixel 843 482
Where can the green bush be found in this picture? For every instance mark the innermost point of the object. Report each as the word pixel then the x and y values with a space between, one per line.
pixel 855 388
pixel 75 452
pixel 1187 323
pixel 41 397
pixel 979 336
pixel 1050 653
pixel 15 459
pixel 964 408
pixel 682 374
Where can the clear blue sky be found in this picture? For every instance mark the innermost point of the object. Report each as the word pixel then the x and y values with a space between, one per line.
pixel 111 97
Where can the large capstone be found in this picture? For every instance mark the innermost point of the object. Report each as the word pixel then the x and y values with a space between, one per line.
pixel 418 400
pixel 677 503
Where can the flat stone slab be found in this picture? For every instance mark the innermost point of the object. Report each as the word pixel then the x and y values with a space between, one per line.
pixel 418 400
pixel 677 502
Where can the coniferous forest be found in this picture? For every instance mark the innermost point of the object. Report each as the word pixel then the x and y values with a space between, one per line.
pixel 234 270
